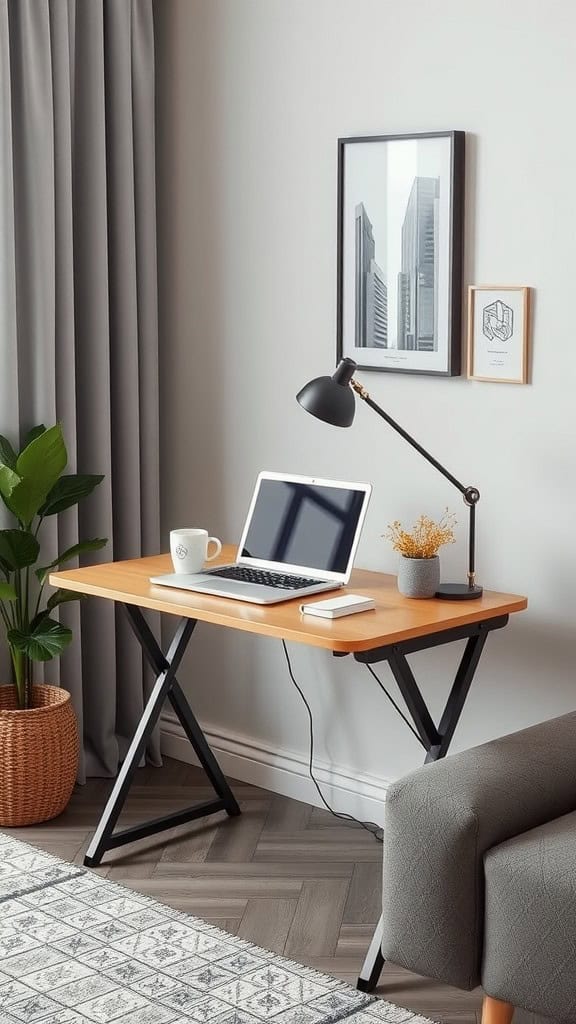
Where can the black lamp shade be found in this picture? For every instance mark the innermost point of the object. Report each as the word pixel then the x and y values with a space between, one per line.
pixel 331 398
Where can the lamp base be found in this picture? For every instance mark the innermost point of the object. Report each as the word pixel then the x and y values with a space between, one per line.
pixel 458 592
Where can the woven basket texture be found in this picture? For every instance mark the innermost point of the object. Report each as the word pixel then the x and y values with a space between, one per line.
pixel 38 755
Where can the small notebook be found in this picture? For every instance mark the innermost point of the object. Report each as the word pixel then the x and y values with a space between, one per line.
pixel 335 607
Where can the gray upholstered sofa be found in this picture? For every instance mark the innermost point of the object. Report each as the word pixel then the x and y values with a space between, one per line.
pixel 480 871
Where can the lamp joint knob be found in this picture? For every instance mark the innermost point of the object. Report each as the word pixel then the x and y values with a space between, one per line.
pixel 359 389
pixel 471 495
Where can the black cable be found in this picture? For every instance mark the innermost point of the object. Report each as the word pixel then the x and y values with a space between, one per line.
pixel 399 710
pixel 369 826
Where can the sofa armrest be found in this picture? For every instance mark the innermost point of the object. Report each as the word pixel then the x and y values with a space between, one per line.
pixel 439 822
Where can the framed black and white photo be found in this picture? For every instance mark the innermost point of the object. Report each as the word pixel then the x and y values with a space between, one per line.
pixel 400 229
pixel 498 333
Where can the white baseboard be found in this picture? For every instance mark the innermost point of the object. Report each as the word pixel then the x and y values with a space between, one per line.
pixel 282 771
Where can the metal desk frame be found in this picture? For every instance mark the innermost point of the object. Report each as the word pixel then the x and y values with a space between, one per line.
pixel 436 740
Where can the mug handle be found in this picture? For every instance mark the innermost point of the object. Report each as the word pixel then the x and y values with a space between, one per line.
pixel 218 548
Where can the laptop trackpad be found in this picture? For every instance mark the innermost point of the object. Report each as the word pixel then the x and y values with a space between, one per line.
pixel 184 580
pixel 215 586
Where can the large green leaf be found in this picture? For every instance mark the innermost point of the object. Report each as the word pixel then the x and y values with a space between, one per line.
pixel 7 592
pixel 76 549
pixel 39 465
pixel 33 434
pixel 68 491
pixel 8 481
pixel 7 454
pixel 62 597
pixel 44 457
pixel 18 548
pixel 47 639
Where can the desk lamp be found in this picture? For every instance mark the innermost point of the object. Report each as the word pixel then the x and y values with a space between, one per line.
pixel 331 399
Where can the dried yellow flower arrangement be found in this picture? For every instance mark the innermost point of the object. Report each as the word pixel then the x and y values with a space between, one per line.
pixel 426 537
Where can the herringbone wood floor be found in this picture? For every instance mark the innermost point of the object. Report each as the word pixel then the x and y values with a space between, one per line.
pixel 284 875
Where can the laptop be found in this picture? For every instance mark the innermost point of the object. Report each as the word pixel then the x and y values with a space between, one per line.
pixel 300 537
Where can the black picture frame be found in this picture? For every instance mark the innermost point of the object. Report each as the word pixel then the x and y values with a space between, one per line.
pixel 426 292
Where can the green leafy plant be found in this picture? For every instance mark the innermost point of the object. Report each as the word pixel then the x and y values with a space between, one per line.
pixel 33 487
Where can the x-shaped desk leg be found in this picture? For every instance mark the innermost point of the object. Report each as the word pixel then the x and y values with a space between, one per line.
pixel 165 686
pixel 435 740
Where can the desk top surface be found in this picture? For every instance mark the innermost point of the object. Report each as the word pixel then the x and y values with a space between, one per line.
pixel 395 618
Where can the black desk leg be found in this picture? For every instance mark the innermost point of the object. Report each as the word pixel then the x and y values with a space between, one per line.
pixel 374 961
pixel 458 694
pixel 201 748
pixel 438 743
pixel 165 686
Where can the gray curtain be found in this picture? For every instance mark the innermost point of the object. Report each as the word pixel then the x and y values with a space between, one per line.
pixel 78 307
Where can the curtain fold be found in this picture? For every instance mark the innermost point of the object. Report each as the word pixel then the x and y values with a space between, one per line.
pixel 78 308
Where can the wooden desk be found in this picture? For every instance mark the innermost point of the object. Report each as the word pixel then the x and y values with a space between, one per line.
pixel 399 626
pixel 395 619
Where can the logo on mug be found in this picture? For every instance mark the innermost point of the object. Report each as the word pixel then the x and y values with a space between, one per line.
pixel 181 551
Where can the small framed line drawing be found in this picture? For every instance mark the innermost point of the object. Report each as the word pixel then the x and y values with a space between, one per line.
pixel 498 326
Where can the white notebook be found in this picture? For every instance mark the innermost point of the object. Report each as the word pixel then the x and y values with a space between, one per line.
pixel 335 607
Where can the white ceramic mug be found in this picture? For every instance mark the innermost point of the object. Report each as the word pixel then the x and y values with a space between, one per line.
pixel 189 549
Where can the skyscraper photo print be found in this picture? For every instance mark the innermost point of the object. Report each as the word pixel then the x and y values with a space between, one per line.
pixel 400 229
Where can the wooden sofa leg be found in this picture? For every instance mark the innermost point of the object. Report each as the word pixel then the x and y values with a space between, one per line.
pixel 494 1011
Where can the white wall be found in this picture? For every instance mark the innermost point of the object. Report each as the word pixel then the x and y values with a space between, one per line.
pixel 253 95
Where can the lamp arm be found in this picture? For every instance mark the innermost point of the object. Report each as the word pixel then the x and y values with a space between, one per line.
pixel 471 495
pixel 363 394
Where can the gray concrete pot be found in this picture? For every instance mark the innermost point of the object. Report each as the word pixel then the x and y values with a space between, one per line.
pixel 418 577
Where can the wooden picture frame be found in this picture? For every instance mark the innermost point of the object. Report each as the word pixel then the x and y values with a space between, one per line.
pixel 400 241
pixel 498 333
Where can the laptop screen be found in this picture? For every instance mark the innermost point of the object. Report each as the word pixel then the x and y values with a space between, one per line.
pixel 298 522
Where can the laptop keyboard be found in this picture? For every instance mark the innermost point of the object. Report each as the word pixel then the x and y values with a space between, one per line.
pixel 264 577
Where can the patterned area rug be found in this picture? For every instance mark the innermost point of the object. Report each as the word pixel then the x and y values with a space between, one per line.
pixel 76 948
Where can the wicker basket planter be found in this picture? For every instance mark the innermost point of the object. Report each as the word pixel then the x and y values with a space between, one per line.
pixel 38 755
